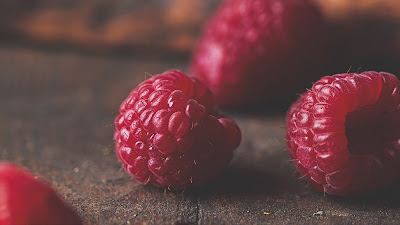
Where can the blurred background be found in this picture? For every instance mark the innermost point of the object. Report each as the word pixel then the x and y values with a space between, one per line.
pixel 161 25
pixel 65 47
pixel 36 35
pixel 155 25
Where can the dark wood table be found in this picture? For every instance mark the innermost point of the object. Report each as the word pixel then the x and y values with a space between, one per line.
pixel 56 119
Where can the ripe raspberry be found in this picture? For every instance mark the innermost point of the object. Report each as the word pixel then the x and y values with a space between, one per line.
pixel 344 134
pixel 250 47
pixel 167 134
pixel 26 200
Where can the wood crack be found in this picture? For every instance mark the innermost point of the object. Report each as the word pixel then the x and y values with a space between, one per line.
pixel 198 210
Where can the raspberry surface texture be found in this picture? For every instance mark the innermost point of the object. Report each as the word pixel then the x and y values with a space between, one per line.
pixel 344 133
pixel 168 134
pixel 25 200
pixel 250 47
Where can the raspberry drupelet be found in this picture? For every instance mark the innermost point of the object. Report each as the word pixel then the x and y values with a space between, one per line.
pixel 168 134
pixel 344 134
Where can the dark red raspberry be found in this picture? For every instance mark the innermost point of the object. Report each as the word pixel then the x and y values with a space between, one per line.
pixel 167 133
pixel 250 47
pixel 29 201
pixel 344 134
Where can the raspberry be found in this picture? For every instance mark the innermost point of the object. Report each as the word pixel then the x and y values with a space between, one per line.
pixel 344 134
pixel 27 200
pixel 168 134
pixel 250 47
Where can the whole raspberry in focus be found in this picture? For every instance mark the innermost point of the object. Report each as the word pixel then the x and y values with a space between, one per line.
pixel 168 134
pixel 251 47
pixel 26 200
pixel 344 134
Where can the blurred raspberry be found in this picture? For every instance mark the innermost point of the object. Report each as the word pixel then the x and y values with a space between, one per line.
pixel 26 200
pixel 250 47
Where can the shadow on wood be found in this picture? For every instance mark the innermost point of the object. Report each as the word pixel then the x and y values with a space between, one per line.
pixel 241 181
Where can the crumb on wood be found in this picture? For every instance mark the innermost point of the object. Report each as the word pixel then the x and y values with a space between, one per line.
pixel 319 213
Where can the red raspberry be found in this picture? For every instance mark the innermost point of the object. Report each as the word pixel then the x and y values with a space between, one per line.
pixel 167 134
pixel 27 200
pixel 250 47
pixel 344 134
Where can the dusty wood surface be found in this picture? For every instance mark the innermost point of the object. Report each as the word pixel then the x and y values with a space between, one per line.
pixel 56 115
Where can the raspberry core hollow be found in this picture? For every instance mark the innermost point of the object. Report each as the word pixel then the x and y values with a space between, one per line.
pixel 344 133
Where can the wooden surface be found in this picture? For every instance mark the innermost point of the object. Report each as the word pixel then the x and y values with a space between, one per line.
pixel 56 116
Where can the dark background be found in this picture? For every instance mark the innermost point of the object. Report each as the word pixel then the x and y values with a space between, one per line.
pixel 65 66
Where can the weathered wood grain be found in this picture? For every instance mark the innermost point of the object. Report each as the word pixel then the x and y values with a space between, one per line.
pixel 56 115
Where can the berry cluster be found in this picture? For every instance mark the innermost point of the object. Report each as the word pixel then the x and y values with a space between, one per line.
pixel 343 134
